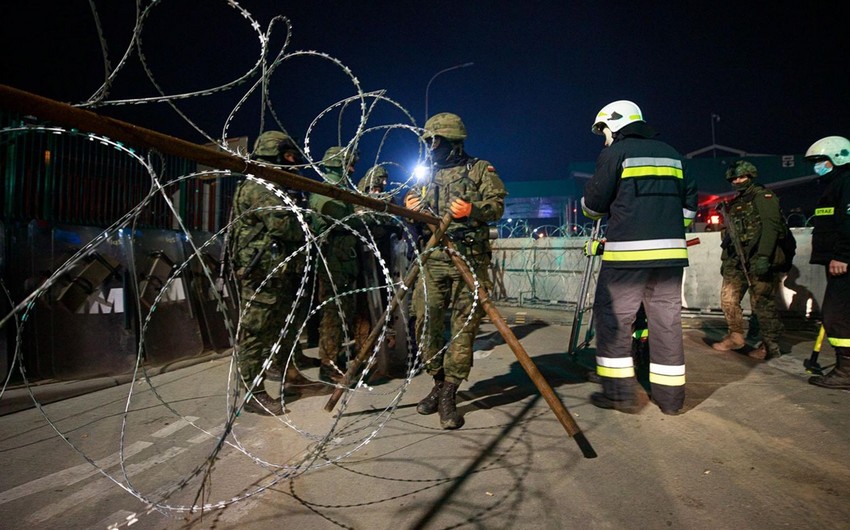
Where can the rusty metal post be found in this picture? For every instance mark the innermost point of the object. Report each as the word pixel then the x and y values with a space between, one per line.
pixel 84 120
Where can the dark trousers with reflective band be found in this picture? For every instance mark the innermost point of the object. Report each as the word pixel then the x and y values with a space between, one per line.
pixel 619 293
pixel 836 313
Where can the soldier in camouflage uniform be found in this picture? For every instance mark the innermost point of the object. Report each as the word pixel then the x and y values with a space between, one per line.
pixel 339 249
pixel 264 236
pixel 472 191
pixel 758 222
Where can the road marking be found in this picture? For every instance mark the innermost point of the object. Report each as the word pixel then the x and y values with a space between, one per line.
pixel 100 487
pixel 71 475
pixel 203 437
pixel 174 427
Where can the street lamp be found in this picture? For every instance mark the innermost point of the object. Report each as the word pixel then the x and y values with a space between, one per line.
pixel 714 118
pixel 428 88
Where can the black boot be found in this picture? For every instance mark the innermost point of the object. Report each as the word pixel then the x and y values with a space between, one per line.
pixel 449 418
pixel 429 404
pixel 839 377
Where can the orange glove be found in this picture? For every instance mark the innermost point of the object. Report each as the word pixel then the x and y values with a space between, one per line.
pixel 460 208
pixel 412 202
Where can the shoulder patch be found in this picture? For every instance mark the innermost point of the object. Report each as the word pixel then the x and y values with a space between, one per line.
pixel 768 195
pixel 491 169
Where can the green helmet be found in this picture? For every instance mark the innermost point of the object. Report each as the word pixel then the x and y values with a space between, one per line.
pixel 447 125
pixel 741 168
pixel 376 177
pixel 336 155
pixel 272 143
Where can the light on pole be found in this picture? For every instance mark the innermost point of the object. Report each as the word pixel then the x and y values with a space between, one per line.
pixel 428 88
pixel 714 118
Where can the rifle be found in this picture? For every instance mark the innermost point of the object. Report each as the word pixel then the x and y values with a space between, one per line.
pixel 736 241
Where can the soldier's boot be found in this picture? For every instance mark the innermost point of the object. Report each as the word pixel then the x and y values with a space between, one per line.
pixel 296 385
pixel 430 404
pixel 839 377
pixel 328 372
pixel 732 341
pixel 449 417
pixel 766 350
pixel 262 403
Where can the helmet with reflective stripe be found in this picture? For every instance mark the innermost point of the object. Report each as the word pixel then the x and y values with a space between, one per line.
pixel 741 168
pixel 616 115
pixel 835 148
pixel 447 125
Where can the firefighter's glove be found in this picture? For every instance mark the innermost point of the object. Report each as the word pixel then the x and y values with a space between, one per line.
pixel 594 247
pixel 460 208
pixel 760 266
pixel 412 202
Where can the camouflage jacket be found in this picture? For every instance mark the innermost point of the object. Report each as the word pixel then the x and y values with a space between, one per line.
pixel 340 245
pixel 758 222
pixel 263 234
pixel 475 181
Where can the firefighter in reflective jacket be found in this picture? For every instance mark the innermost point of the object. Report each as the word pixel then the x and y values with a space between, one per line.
pixel 639 184
pixel 831 248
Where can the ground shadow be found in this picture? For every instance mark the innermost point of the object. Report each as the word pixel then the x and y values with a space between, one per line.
pixel 515 385
pixel 488 341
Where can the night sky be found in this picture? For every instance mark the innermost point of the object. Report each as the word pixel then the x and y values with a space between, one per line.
pixel 776 76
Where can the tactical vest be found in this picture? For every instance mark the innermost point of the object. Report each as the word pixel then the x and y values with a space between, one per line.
pixel 470 236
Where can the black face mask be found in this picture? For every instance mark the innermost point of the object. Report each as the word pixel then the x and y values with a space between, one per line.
pixel 447 154
pixel 743 186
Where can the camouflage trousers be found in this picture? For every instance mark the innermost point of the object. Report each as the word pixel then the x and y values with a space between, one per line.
pixel 762 301
pixel 263 320
pixel 440 287
pixel 332 327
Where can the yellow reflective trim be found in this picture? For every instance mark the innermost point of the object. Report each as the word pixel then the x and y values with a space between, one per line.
pixel 824 211
pixel 641 334
pixel 688 222
pixel 616 373
pixel 645 255
pixel 652 171
pixel 667 380
pixel 839 343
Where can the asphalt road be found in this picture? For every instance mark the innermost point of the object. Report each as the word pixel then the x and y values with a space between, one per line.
pixel 757 447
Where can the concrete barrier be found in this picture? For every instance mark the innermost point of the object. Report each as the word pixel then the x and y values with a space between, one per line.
pixel 550 269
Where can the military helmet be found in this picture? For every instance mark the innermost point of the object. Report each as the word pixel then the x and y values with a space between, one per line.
pixel 271 143
pixel 376 177
pixel 835 148
pixel 616 115
pixel 336 155
pixel 741 168
pixel 447 125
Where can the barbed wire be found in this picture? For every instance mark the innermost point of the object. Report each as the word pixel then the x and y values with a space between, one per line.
pixel 342 435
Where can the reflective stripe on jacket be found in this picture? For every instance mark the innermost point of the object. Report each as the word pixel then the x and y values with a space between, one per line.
pixel 639 183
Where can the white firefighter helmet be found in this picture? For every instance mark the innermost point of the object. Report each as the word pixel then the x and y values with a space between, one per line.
pixel 836 148
pixel 616 115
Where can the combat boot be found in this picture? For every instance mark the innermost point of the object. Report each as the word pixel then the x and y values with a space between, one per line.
pixel 430 404
pixel 839 377
pixel 262 403
pixel 449 417
pixel 732 341
pixel 766 350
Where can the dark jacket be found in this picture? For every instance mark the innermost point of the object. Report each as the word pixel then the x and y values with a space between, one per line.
pixel 640 185
pixel 831 234
pixel 758 223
